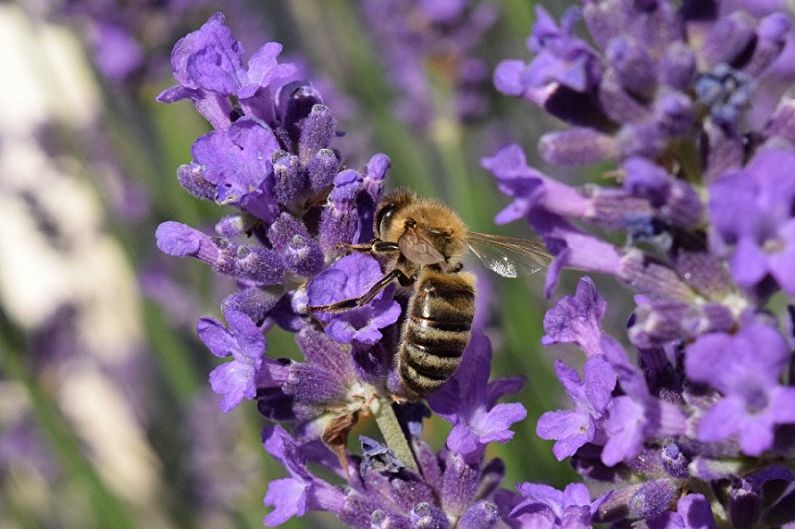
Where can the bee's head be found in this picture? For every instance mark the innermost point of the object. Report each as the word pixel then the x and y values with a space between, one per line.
pixel 387 220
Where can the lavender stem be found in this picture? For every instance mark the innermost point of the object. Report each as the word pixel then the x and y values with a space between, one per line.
pixel 394 437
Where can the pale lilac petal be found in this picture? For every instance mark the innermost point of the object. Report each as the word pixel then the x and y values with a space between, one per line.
pixel 748 263
pixel 720 421
pixel 570 429
pixel 599 379
pixel 250 340
pixel 218 340
pixel 495 425
pixel 462 439
pixel 234 381
pixel 288 497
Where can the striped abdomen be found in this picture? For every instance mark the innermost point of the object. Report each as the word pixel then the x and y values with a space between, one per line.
pixel 436 330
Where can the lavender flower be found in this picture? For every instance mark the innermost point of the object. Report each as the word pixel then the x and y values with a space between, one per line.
pixel 572 429
pixel 469 402
pixel 349 278
pixel 244 342
pixel 271 157
pixel 704 202
pixel 544 506
pixel 754 402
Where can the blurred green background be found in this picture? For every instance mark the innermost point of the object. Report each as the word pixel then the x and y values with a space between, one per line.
pixel 106 420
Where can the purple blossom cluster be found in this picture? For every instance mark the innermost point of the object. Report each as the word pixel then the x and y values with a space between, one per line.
pixel 423 42
pixel 697 431
pixel 294 207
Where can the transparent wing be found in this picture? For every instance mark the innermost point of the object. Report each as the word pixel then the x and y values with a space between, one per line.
pixel 508 256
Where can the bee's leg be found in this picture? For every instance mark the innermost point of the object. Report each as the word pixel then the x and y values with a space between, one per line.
pixel 377 246
pixel 348 304
pixel 355 247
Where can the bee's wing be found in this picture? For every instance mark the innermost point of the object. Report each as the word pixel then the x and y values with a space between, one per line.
pixel 508 256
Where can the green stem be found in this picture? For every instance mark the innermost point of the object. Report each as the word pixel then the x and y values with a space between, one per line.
pixel 394 437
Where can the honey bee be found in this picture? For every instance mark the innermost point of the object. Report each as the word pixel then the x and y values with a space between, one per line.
pixel 423 242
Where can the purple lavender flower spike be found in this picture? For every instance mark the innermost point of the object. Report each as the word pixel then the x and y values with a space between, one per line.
pixel 348 278
pixel 590 396
pixel 577 319
pixel 244 342
pixel 692 512
pixel 469 402
pixel 753 402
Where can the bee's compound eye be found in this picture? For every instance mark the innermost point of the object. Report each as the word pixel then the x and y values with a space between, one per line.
pixel 383 219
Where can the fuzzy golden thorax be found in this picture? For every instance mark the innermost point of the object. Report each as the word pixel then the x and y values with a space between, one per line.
pixel 428 232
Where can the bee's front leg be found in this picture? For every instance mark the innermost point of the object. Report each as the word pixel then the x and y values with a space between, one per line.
pixel 347 304
pixel 376 246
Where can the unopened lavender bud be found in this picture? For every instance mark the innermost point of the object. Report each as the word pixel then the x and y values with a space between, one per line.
pixel 577 146
pixel 674 461
pixel 339 221
pixel 483 515
pixel 253 302
pixel 296 100
pixel 283 229
pixel 426 516
pixel 321 169
pixel 458 487
pixel 259 265
pixel 303 256
pixel 782 123
pixel 728 38
pixel 634 66
pixel 381 520
pixel 637 502
pixel 175 238
pixel 653 279
pixel 745 505
pixel 374 173
pixel 674 112
pixel 771 37
pixel 605 20
pixel 641 139
pixel 725 151
pixel 288 178
pixel 651 498
pixel 191 177
pixel 678 66
pixel 317 131
pixel 617 103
